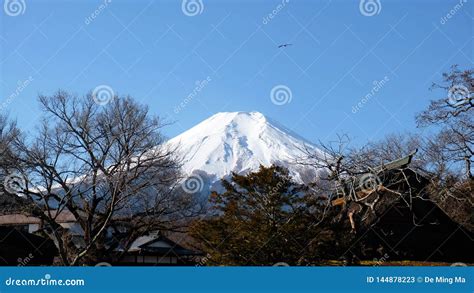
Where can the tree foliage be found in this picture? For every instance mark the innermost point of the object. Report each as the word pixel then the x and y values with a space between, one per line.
pixel 264 218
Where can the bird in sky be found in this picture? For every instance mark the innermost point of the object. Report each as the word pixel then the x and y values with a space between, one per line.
pixel 284 45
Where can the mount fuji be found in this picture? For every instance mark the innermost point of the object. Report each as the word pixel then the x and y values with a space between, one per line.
pixel 240 142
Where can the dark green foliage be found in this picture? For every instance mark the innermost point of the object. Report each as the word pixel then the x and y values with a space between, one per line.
pixel 264 218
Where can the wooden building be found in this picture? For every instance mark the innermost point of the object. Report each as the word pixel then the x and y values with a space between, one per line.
pixel 156 250
pixel 389 209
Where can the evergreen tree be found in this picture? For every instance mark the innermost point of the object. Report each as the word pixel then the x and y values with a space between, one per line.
pixel 264 218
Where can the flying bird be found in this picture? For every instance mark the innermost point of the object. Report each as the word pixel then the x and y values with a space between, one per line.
pixel 284 45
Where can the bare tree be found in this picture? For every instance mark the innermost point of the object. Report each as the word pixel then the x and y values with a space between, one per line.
pixel 340 158
pixel 450 151
pixel 458 86
pixel 361 180
pixel 454 114
pixel 8 133
pixel 10 180
pixel 440 157
pixel 108 167
pixel 454 147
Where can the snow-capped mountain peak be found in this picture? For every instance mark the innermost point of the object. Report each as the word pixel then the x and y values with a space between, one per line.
pixel 239 142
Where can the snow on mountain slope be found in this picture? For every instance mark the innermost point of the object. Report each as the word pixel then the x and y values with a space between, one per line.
pixel 239 142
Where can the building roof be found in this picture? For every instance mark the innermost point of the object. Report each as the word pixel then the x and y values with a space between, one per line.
pixel 159 245
pixel 20 219
pixel 398 163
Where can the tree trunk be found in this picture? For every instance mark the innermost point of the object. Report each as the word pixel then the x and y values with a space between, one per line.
pixel 468 167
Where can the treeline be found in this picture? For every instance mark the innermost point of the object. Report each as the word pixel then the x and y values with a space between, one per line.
pixel 108 166
pixel 264 218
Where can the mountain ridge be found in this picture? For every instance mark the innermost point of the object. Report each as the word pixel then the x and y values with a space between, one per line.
pixel 240 142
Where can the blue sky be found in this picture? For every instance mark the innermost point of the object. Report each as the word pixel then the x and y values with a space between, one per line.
pixel 155 52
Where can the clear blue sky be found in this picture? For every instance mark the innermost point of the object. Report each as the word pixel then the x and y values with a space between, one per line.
pixel 154 52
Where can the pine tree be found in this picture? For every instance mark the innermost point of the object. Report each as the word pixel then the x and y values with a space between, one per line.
pixel 261 219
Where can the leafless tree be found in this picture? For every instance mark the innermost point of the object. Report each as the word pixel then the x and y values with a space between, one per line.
pixel 439 158
pixel 450 151
pixel 108 167
pixel 358 180
pixel 10 181
pixel 458 86
pixel 8 133
pixel 340 158
pixel 454 114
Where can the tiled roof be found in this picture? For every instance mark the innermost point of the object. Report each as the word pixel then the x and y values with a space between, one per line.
pixel 20 219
